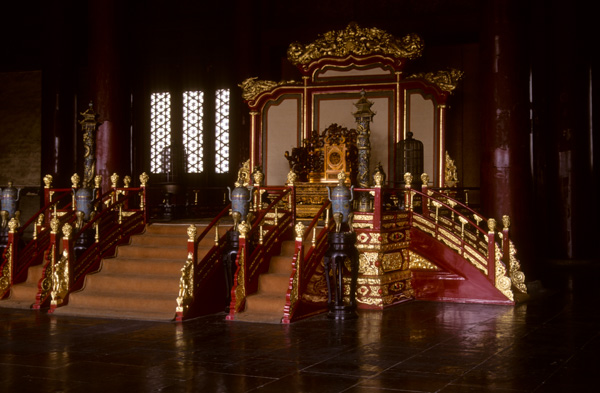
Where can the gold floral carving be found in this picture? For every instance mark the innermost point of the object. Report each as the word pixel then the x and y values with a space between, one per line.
pixel 252 87
pixel 392 261
pixel 516 275
pixel 418 262
pixel 354 40
pixel 503 283
pixel 186 285
pixel 240 289
pixel 6 278
pixel 367 263
pixel 60 279
pixel 192 230
pixel 445 80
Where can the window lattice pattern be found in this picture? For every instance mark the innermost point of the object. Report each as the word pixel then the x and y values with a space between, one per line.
pixel 222 131
pixel 193 103
pixel 160 133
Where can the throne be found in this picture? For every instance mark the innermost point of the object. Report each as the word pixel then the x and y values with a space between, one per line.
pixel 319 161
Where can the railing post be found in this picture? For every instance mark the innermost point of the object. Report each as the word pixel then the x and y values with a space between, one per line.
pixel 296 277
pixel 143 181
pixel 10 256
pixel 291 183
pixel 186 282
pixel 424 197
pixel 61 272
pixel 47 192
pixel 491 250
pixel 408 178
pixel 238 291
pixel 505 240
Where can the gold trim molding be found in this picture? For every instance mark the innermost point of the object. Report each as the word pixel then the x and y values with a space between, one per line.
pixel 445 80
pixel 253 87
pixel 357 41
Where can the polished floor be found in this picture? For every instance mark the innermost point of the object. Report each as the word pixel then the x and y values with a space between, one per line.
pixel 549 344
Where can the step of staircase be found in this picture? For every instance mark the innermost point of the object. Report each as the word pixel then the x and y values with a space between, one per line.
pixel 266 305
pixel 142 280
pixel 22 295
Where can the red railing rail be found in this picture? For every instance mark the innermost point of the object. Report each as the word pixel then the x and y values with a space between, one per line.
pixel 121 213
pixel 201 290
pixel 304 264
pixel 257 242
pixel 18 254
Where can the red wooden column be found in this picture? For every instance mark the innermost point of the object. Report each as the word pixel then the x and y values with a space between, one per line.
pixel 59 75
pixel 109 87
pixel 562 103
pixel 505 170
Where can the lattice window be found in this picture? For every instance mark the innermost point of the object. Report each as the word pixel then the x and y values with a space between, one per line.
pixel 222 131
pixel 193 106
pixel 160 133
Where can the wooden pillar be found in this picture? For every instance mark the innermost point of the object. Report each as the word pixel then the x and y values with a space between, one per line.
pixel 567 191
pixel 505 171
pixel 109 87
pixel 59 76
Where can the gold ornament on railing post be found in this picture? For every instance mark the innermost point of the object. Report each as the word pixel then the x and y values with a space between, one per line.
pixel 75 180
pixel 60 270
pixel 13 224
pixel 243 228
pixel 191 232
pixel 291 178
pixel 299 229
pixel 114 179
pixel 217 233
pixel 38 223
pixel 491 223
pixel 75 185
pixel 143 181
pixel 47 185
pixel 408 178
pixel 98 186
pixel 48 181
pixel 463 221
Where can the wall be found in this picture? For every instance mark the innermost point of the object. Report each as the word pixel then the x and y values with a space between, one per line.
pixel 20 128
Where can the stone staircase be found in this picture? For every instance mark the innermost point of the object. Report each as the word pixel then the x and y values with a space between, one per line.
pixel 23 295
pixel 266 305
pixel 142 280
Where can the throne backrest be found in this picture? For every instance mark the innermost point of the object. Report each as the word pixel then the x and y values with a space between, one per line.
pixel 324 155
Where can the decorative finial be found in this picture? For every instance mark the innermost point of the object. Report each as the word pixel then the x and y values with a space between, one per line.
pixel 491 224
pixel 291 178
pixel 191 232
pixel 144 179
pixel 54 225
pixel 299 229
pixel 67 229
pixel 75 180
pixel 47 181
pixel 13 224
pixel 506 221
pixel 114 179
pixel 243 228
pixel 257 176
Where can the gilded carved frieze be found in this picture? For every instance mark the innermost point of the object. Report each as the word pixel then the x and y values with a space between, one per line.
pixel 418 262
pixel 252 87
pixel 355 40
pixel 445 80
